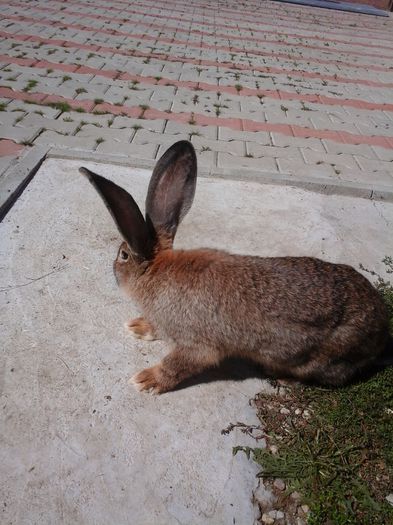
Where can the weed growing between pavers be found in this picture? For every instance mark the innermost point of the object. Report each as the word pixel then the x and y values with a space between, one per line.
pixel 333 446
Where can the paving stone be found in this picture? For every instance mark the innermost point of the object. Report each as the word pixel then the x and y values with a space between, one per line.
pixel 260 137
pixel 143 151
pixel 300 169
pixel 258 150
pixel 33 120
pixel 10 118
pixel 6 162
pixel 144 136
pixel 226 160
pixel 19 105
pixel 383 153
pixel 126 122
pixel 370 165
pixel 315 157
pixel 18 134
pixel 236 147
pixel 281 140
pixel 51 138
pixel 204 131
pixel 362 150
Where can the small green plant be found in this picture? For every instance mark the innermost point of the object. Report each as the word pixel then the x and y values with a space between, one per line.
pixel 217 109
pixel 98 101
pixel 68 119
pixel 99 140
pixel 2 106
pixel 136 127
pixel 238 87
pixel 30 85
pixel 304 107
pixel 65 78
pixel 284 109
pixel 61 106
pixel 192 120
pixel 205 148
pixel 80 90
pixel 193 134
pixel 49 71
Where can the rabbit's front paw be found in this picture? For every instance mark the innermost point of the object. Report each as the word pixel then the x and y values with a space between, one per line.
pixel 148 379
pixel 140 329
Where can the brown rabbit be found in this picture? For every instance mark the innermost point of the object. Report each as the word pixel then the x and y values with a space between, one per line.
pixel 296 316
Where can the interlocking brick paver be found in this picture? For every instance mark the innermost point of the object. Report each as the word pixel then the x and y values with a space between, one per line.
pixel 226 160
pixel 307 99
pixel 142 151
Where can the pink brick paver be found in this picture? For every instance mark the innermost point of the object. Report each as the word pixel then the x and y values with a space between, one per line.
pixel 258 86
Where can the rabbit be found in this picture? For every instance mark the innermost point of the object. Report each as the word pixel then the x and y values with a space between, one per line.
pixel 298 317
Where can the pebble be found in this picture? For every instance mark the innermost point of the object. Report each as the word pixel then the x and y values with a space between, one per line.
pixel 273 449
pixel 267 519
pixel 305 509
pixel 296 496
pixel 279 484
pixel 389 498
pixel 285 411
pixel 280 515
pixel 306 414
pixel 298 411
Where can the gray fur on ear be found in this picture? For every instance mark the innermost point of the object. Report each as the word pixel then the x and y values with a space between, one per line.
pixel 172 187
pixel 125 213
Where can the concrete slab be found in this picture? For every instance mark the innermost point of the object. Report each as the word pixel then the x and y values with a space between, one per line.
pixel 79 445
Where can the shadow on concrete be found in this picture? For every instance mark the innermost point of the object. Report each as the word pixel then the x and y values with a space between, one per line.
pixel 234 369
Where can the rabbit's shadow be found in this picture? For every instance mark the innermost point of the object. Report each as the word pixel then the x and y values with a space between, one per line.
pixel 236 369
pixel 231 369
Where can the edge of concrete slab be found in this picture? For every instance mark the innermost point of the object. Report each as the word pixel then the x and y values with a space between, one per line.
pixel 16 178
pixel 320 185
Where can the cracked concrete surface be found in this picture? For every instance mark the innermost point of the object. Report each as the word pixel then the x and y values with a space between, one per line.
pixel 81 446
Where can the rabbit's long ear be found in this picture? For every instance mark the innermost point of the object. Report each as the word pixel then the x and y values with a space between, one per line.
pixel 125 213
pixel 172 187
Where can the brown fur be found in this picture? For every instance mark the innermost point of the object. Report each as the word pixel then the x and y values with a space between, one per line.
pixel 295 316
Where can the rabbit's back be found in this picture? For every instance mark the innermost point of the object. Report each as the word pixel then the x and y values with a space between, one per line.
pixel 295 315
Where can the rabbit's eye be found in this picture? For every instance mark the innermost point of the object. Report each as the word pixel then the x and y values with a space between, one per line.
pixel 123 255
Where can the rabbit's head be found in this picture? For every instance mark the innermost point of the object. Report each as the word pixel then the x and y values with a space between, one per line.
pixel 169 197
